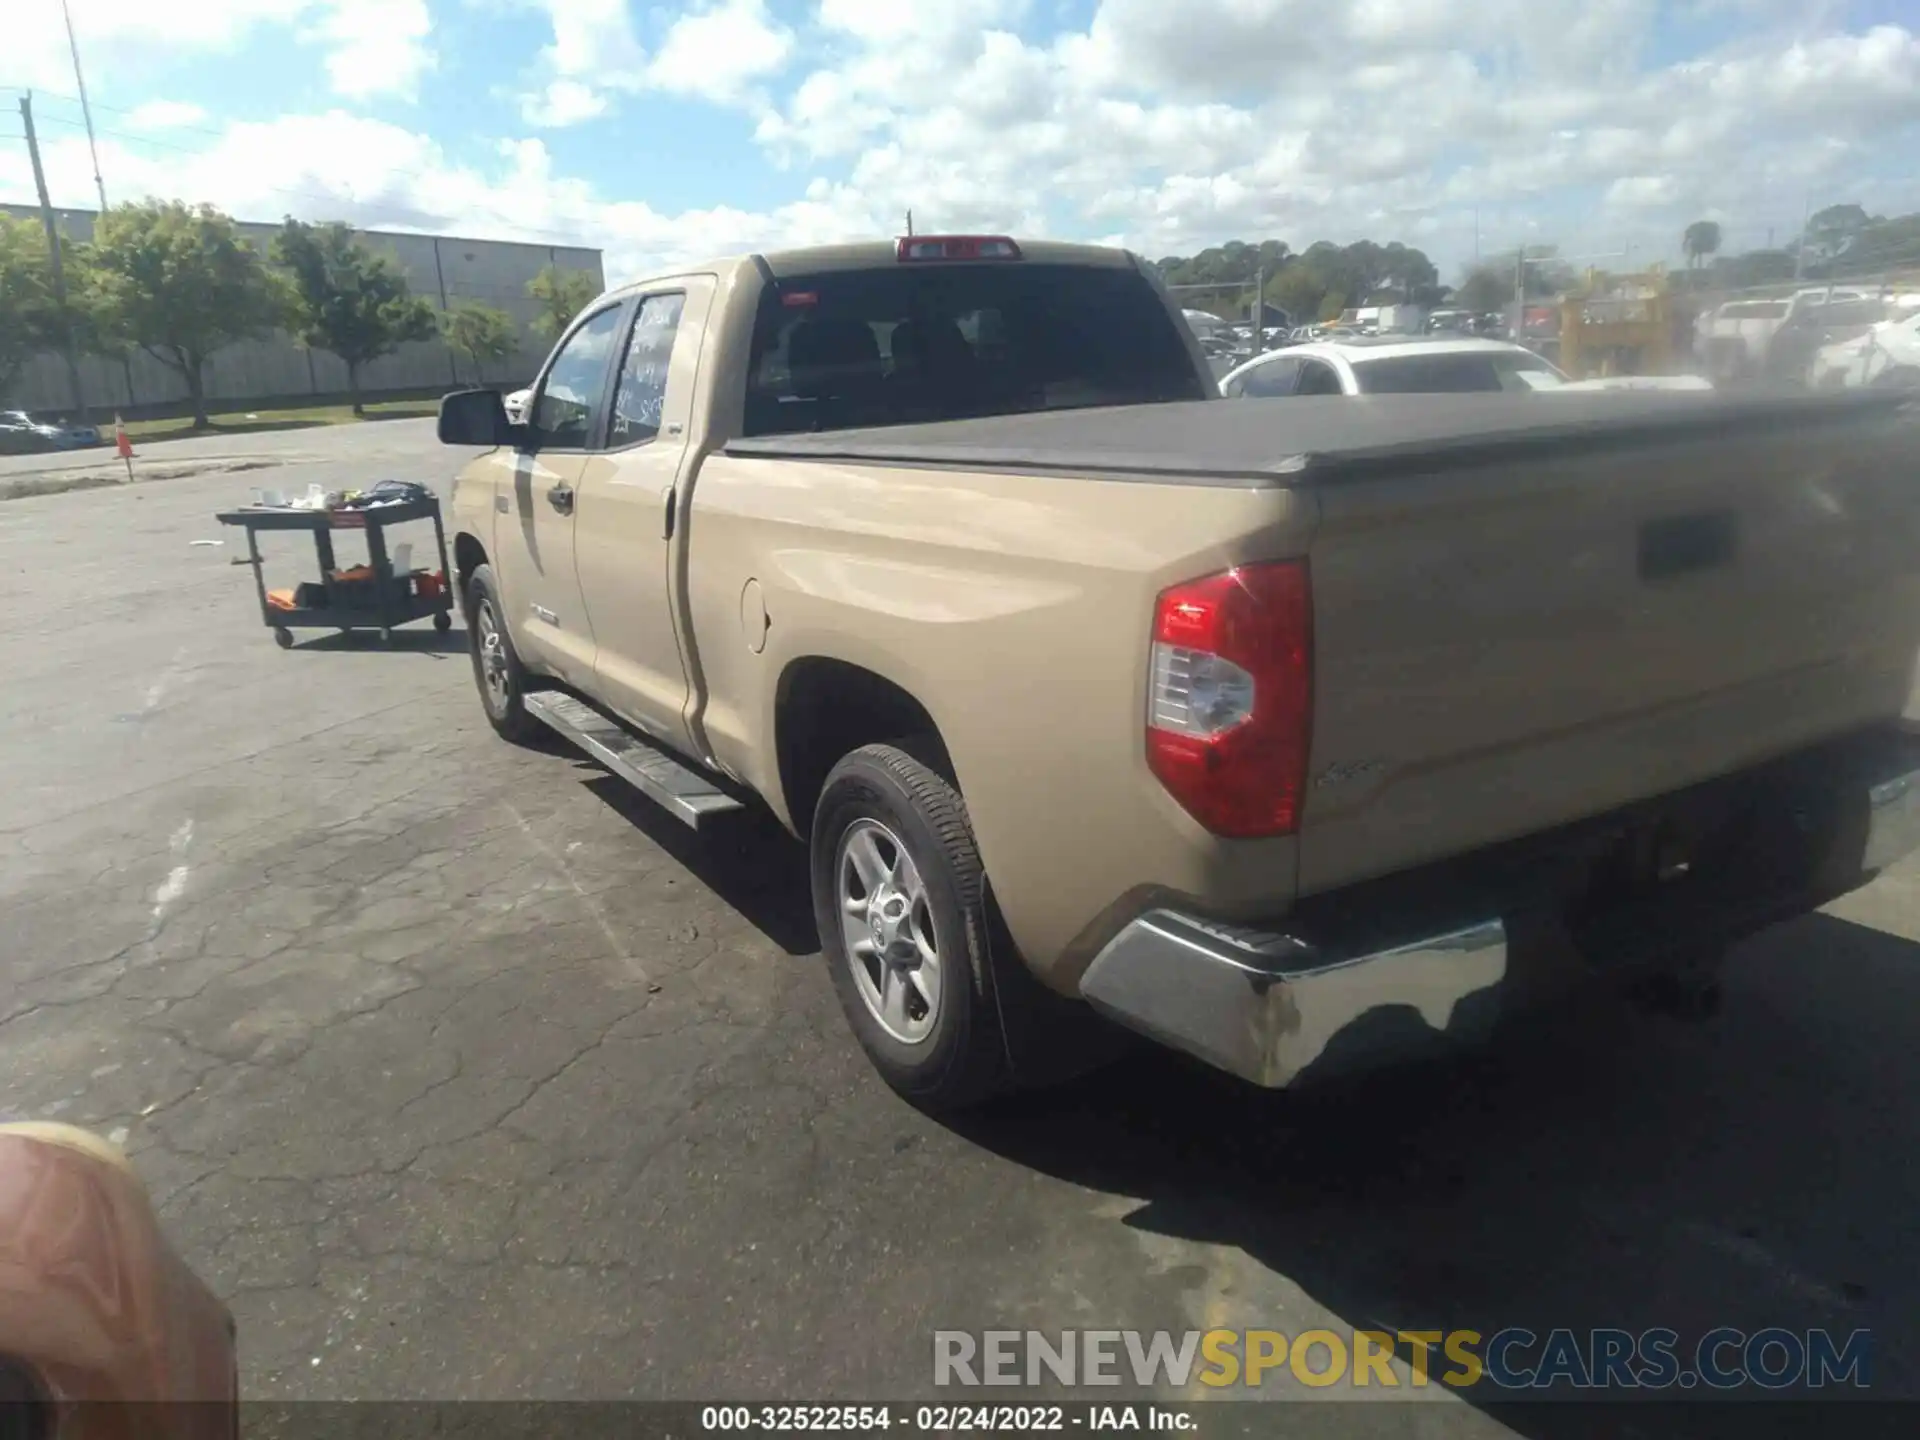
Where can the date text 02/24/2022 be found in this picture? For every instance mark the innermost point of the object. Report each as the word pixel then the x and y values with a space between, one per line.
pixel 945 1419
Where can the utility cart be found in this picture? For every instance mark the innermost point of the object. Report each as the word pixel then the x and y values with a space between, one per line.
pixel 376 598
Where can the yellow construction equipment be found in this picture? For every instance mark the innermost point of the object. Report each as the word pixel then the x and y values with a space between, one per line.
pixel 1629 330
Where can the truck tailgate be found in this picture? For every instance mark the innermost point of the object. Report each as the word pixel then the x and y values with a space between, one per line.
pixel 1509 640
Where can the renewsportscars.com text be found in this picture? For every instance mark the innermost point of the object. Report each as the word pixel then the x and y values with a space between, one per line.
pixel 1514 1358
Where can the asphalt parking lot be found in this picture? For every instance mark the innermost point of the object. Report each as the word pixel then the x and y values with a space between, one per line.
pixel 461 1074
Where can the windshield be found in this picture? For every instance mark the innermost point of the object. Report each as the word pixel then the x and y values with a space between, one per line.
pixel 1485 370
pixel 918 343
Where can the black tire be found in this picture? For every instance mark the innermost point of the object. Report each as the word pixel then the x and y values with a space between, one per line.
pixel 963 1058
pixel 283 637
pixel 505 707
pixel 443 622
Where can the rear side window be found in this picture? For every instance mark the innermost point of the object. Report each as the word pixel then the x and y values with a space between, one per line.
pixel 913 343
pixel 1451 374
pixel 1266 382
pixel 1318 378
pixel 642 392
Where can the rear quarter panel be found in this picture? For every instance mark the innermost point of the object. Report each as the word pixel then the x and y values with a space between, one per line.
pixel 1016 609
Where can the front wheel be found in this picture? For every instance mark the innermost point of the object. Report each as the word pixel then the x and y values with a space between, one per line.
pixel 900 899
pixel 496 668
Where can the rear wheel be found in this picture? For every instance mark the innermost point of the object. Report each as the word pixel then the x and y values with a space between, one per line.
pixel 496 669
pixel 900 900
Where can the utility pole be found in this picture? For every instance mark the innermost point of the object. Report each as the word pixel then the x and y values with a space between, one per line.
pixel 86 110
pixel 1800 245
pixel 909 224
pixel 53 255
pixel 1259 308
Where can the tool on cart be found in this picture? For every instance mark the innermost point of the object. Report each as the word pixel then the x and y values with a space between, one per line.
pixel 376 596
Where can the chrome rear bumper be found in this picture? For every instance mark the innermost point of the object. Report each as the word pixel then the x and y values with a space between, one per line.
pixel 1270 1007
pixel 1266 1008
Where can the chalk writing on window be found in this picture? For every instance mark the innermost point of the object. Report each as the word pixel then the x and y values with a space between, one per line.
pixel 640 399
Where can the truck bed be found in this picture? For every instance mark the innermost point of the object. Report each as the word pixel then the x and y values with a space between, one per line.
pixel 1529 609
pixel 1318 440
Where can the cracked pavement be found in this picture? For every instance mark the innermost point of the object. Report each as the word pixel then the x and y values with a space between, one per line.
pixel 460 1073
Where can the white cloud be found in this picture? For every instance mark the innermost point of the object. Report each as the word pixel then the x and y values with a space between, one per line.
pixel 1170 126
pixel 563 102
pixel 719 52
pixel 1179 126
pixel 165 115
pixel 594 52
pixel 371 46
pixel 375 47
pixel 339 166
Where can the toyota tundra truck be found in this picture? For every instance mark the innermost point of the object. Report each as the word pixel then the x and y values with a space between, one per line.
pixel 1298 736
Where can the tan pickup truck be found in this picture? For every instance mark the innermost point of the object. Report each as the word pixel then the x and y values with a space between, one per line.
pixel 1297 736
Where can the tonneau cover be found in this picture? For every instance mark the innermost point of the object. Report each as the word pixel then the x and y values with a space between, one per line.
pixel 1286 442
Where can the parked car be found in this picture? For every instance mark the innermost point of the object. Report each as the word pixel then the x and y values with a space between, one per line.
pixel 1437 364
pixel 1731 340
pixel 1888 354
pixel 1815 326
pixel 1091 695
pixel 23 431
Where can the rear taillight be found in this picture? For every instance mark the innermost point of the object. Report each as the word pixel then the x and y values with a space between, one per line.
pixel 1229 697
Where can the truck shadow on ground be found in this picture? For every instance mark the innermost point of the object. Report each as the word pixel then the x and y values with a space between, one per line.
pixel 1600 1169
pixel 745 858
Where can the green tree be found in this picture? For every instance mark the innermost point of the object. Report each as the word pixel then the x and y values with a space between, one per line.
pixel 562 294
pixel 1700 243
pixel 1489 285
pixel 347 300
pixel 1298 291
pixel 1484 289
pixel 481 333
pixel 29 319
pixel 1832 231
pixel 180 283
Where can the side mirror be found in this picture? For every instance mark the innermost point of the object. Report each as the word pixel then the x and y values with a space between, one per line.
pixel 475 417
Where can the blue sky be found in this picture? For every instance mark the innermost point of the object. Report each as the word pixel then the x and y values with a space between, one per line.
pixel 660 131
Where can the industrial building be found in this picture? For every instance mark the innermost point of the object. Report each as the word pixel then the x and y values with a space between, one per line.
pixel 442 269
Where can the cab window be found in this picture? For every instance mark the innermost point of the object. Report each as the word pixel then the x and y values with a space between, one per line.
pixel 641 395
pixel 574 394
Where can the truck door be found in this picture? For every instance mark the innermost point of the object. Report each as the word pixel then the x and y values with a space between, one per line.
pixel 534 534
pixel 627 513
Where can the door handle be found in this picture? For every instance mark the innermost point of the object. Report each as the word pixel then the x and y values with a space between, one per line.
pixel 561 498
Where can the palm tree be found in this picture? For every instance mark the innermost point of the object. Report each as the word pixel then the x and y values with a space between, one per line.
pixel 1701 240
